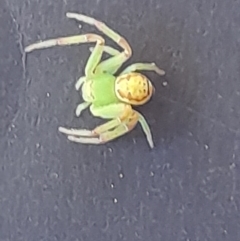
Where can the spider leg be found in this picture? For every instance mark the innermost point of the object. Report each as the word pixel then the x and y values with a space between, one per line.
pixel 143 66
pixel 62 41
pixel 124 120
pixel 109 50
pixel 112 64
pixel 94 58
pixel 116 112
pixel 146 129
pixel 103 133
pixel 105 29
pixel 106 136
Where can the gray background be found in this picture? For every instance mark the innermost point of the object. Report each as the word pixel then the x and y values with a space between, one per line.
pixel 186 189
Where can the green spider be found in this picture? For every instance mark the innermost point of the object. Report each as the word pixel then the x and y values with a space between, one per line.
pixel 108 96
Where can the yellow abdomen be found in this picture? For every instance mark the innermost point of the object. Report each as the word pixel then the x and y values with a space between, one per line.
pixel 133 88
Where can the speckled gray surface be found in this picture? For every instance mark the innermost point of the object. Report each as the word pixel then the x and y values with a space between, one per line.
pixel 186 189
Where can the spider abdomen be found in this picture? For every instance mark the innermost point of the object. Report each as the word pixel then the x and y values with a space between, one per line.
pixel 133 88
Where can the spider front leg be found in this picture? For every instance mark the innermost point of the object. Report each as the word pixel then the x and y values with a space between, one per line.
pixel 105 132
pixel 94 58
pixel 124 119
pixel 103 28
pixel 109 50
pixel 63 41
pixel 112 64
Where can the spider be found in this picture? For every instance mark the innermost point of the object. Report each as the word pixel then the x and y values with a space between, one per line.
pixel 107 96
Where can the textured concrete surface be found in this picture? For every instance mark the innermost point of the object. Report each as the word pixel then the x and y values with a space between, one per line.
pixel 186 189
